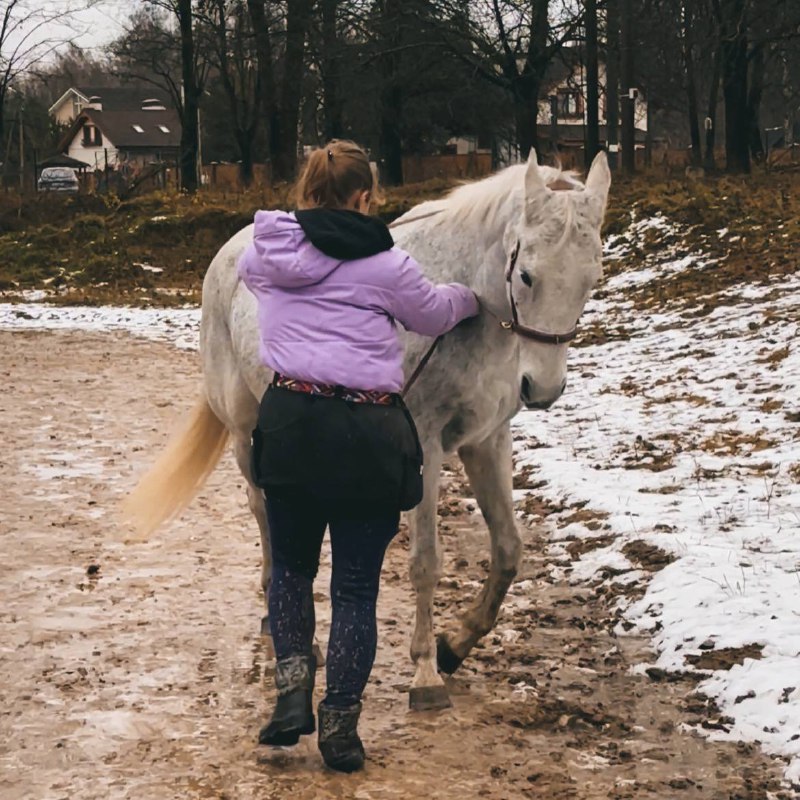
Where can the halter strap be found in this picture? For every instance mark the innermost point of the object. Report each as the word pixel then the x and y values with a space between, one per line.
pixel 514 325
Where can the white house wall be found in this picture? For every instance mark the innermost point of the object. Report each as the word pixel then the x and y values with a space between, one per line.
pixel 577 81
pixel 95 157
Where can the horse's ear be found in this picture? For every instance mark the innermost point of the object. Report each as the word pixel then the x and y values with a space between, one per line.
pixel 534 183
pixel 536 190
pixel 599 178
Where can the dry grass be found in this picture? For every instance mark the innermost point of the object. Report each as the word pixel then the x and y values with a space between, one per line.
pixel 89 246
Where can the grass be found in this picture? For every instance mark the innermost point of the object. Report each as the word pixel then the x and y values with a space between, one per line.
pixel 96 249
pixel 760 218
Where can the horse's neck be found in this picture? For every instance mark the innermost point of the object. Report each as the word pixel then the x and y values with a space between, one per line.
pixel 490 259
pixel 452 249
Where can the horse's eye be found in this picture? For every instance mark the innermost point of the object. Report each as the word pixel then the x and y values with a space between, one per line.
pixel 526 279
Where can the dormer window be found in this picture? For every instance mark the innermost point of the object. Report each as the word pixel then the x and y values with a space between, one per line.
pixel 163 128
pixel 138 128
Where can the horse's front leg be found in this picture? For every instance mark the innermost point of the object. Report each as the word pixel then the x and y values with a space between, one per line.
pixel 489 468
pixel 427 689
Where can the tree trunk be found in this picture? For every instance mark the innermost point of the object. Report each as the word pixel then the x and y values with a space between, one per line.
pixel 245 141
pixel 733 41
pixel 592 84
pixel 713 97
pixel 391 142
pixel 265 85
pixel 244 118
pixel 612 80
pixel 754 103
pixel 2 128
pixel 628 103
pixel 529 82
pixel 190 137
pixel 391 95
pixel 526 112
pixel 691 83
pixel 331 66
pixel 285 138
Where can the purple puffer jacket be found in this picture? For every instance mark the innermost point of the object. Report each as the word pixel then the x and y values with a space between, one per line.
pixel 327 320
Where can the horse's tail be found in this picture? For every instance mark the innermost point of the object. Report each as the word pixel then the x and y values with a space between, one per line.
pixel 180 471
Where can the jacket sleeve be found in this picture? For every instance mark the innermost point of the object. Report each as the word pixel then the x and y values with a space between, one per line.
pixel 426 308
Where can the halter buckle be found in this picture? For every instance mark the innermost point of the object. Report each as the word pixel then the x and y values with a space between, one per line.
pixel 506 325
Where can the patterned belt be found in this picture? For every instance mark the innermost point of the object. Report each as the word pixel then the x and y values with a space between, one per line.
pixel 341 392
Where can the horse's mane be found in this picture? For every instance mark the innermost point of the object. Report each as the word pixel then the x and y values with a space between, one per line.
pixel 482 201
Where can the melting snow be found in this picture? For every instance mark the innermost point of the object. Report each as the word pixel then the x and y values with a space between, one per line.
pixel 178 326
pixel 688 437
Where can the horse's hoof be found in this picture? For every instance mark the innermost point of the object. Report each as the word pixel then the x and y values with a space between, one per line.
pixel 265 630
pixel 428 698
pixel 317 651
pixel 446 660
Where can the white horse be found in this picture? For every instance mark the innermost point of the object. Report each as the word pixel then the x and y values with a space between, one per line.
pixel 532 254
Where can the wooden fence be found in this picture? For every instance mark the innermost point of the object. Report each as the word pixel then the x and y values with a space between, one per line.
pixel 227 177
pixel 423 168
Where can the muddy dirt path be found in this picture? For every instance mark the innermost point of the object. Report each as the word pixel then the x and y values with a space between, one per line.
pixel 145 679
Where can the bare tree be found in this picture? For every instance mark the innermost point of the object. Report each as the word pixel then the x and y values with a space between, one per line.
pixel 331 69
pixel 612 80
pixel 687 17
pixel 27 38
pixel 280 93
pixel 232 47
pixel 513 43
pixel 628 86
pixel 149 52
pixel 592 84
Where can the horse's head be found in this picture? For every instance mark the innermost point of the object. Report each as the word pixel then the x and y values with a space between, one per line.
pixel 557 264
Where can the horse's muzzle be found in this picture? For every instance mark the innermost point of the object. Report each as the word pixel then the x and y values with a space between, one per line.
pixel 535 396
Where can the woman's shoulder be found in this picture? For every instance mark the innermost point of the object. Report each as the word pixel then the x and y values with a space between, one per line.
pixel 274 221
pixel 395 259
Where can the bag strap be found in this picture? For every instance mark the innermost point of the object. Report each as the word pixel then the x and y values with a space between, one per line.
pixel 421 366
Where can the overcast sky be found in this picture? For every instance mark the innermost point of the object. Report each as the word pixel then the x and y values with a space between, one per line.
pixel 91 28
pixel 103 22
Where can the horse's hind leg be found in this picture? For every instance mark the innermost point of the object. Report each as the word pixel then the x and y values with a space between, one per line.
pixel 255 499
pixel 488 466
pixel 427 689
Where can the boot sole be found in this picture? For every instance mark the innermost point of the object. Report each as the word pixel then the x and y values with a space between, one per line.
pixel 352 762
pixel 286 737
pixel 346 766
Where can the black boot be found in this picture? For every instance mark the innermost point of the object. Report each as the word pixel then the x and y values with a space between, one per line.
pixel 294 712
pixel 339 742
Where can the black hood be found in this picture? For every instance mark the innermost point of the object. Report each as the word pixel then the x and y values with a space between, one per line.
pixel 345 234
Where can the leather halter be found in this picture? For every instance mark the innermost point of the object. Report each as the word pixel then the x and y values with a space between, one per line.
pixel 514 325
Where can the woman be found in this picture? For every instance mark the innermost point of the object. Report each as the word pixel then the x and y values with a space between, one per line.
pixel 335 446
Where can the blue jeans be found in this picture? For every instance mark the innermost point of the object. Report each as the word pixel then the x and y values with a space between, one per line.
pixel 358 544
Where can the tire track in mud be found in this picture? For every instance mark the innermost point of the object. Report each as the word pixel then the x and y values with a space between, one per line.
pixel 146 678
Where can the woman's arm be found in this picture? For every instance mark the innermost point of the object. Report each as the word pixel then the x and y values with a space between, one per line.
pixel 427 308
